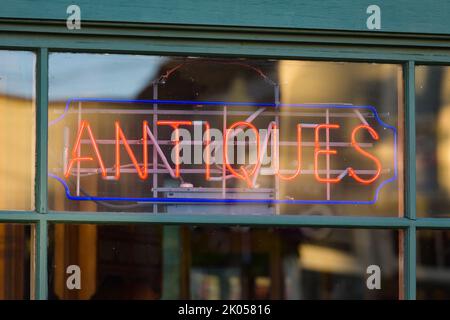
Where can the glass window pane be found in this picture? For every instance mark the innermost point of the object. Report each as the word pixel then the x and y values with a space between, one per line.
pixel 14 261
pixel 17 130
pixel 432 132
pixel 173 262
pixel 147 133
pixel 433 264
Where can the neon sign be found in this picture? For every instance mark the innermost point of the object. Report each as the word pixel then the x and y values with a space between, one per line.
pixel 218 168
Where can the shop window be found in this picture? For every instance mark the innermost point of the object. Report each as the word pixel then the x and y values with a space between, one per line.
pixel 433 137
pixel 433 264
pixel 17 130
pixel 188 262
pixel 15 261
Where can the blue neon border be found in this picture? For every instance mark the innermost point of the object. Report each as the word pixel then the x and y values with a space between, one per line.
pixel 225 200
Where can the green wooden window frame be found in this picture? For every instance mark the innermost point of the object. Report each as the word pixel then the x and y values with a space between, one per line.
pixel 43 37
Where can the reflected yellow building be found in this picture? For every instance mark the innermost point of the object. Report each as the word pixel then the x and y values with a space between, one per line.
pixel 17 131
pixel 17 143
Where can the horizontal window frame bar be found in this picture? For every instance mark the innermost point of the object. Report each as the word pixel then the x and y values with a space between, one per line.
pixel 433 223
pixel 244 220
pixel 158 42
pixel 33 217
pixel 19 217
pixel 226 33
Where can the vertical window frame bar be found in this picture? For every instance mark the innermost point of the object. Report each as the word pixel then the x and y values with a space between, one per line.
pixel 40 236
pixel 41 187
pixel 41 181
pixel 410 177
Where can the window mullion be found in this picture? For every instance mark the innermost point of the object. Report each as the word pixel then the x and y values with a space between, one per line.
pixel 410 152
pixel 40 237
pixel 41 188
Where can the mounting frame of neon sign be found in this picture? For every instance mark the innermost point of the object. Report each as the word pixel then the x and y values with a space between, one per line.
pixel 229 200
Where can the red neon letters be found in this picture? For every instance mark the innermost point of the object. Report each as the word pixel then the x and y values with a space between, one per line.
pixel 175 125
pixel 245 174
pixel 242 173
pixel 76 158
pixel 352 172
pixel 142 173
pixel 207 151
pixel 318 152
pixel 299 153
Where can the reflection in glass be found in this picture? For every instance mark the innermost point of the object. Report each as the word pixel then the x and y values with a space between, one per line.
pixel 101 97
pixel 433 264
pixel 433 134
pixel 17 130
pixel 173 262
pixel 14 261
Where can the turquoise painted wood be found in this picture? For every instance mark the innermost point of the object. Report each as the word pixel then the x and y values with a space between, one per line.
pixel 410 253
pixel 406 16
pixel 410 143
pixel 40 260
pixel 41 131
pixel 409 240
pixel 248 220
